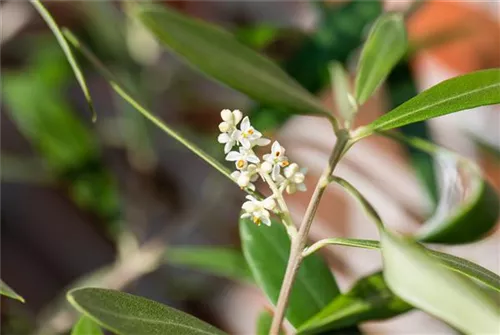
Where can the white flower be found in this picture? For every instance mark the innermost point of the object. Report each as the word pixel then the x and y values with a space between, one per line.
pixel 229 120
pixel 230 134
pixel 249 137
pixel 277 158
pixel 242 158
pixel 294 179
pixel 258 210
pixel 247 177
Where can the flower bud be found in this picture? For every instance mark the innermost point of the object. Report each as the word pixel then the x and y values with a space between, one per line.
pixel 249 207
pixel 269 203
pixel 298 178
pixel 224 127
pixel 266 167
pixel 243 180
pixel 291 170
pixel 238 115
pixel 226 115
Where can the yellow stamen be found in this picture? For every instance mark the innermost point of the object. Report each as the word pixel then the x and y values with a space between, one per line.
pixel 285 163
pixel 277 153
pixel 257 221
pixel 240 164
pixel 250 131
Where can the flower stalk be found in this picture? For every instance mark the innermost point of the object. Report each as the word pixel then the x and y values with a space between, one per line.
pixel 299 241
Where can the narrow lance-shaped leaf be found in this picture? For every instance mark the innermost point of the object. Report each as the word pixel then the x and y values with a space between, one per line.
pixel 454 263
pixel 126 314
pixel 266 250
pixel 415 276
pixel 471 90
pixel 219 55
pixel 368 299
pixel 8 292
pixel 385 46
pixel 67 51
pixel 223 262
pixel 468 207
pixel 86 326
pixel 344 101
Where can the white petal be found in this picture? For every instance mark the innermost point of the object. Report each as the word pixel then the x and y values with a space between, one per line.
pixel 224 127
pixel 291 170
pixel 235 174
pixel 223 138
pixel 233 156
pixel 237 115
pixel 253 159
pixel 269 203
pixel 245 124
pixel 276 146
pixel 262 142
pixel 245 215
pixel 267 157
pixel 243 180
pixel 229 145
pixel 245 143
pixel 298 178
pixel 226 115
pixel 265 220
pixel 291 188
pixel 302 187
pixel 276 172
pixel 251 198
pixel 251 187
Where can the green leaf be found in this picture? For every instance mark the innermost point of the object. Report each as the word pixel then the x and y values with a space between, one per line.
pixel 472 215
pixel 264 323
pixel 220 56
pixel 123 92
pixel 126 314
pixel 467 220
pixel 454 263
pixel 471 90
pixel 67 51
pixel 8 292
pixel 218 261
pixel 385 46
pixel 86 326
pixel 344 101
pixel 411 273
pixel 368 299
pixel 266 250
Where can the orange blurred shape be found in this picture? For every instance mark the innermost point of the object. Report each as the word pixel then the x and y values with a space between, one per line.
pixel 477 48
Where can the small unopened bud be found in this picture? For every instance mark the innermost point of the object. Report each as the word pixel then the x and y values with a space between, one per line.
pixel 269 203
pixel 266 167
pixel 224 127
pixel 226 115
pixel 243 180
pixel 238 115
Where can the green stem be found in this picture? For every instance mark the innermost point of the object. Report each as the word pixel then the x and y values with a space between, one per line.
pixel 287 219
pixel 299 242
pixel 348 242
pixel 370 211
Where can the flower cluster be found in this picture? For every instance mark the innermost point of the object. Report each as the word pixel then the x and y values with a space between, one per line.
pixel 236 130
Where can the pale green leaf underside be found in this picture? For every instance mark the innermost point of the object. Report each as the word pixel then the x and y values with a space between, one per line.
pixel 411 273
pixel 385 46
pixel 67 51
pixel 126 314
pixel 86 326
pixel 460 265
pixel 471 90
pixel 342 91
pixel 471 218
pixel 223 262
pixel 8 292
pixel 220 56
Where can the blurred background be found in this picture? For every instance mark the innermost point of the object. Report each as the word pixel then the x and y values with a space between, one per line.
pixel 103 201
